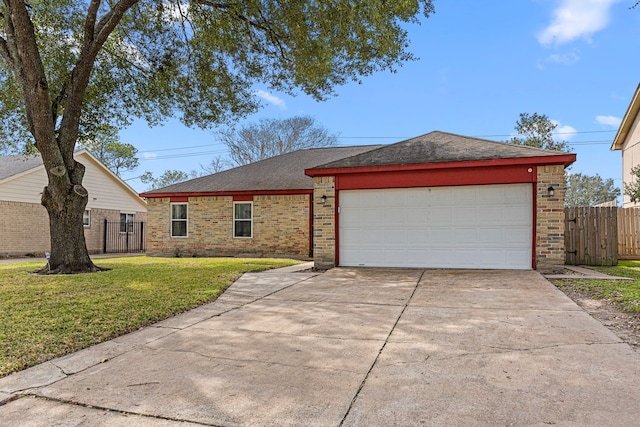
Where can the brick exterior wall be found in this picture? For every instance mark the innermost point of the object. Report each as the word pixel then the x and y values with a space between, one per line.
pixel 24 229
pixel 280 227
pixel 550 218
pixel 324 226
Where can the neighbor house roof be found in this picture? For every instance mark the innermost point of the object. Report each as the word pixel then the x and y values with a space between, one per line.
pixel 279 173
pixel 442 147
pixel 627 121
pixel 14 165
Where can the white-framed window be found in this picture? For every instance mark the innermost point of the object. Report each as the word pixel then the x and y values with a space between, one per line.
pixel 243 219
pixel 179 219
pixel 86 218
pixel 126 222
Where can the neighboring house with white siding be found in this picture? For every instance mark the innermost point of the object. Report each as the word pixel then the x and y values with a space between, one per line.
pixel 627 140
pixel 24 222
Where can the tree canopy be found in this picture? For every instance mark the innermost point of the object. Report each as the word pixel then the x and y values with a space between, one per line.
pixel 105 145
pixel 272 137
pixel 632 189
pixel 536 130
pixel 169 177
pixel 71 65
pixel 587 190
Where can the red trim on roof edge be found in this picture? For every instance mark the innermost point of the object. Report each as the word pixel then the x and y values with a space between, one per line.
pixel 534 225
pixel 565 159
pixel 436 178
pixel 228 193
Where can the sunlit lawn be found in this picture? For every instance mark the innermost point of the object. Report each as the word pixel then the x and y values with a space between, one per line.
pixel 43 317
pixel 624 292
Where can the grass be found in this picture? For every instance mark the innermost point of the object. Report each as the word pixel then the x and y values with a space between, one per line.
pixel 626 293
pixel 44 317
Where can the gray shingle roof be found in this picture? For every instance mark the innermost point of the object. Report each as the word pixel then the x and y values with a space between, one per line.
pixel 436 147
pixel 13 165
pixel 284 172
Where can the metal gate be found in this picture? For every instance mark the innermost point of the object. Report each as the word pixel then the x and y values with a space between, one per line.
pixel 124 237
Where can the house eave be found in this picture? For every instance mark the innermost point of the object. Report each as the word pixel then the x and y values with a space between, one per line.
pixel 560 159
pixel 627 121
pixel 228 193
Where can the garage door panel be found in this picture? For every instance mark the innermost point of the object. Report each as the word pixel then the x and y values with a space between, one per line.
pixel 491 215
pixel 439 216
pixel 486 226
pixel 491 236
pixel 371 216
pixel 438 197
pixel 395 216
pixel 416 215
pixel 518 256
pixel 515 236
pixel 465 236
pixel 465 215
pixel 395 238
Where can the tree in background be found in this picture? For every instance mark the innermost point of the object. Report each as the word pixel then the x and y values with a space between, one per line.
pixel 169 177
pixel 632 189
pixel 536 130
pixel 104 143
pixel 272 137
pixel 68 65
pixel 217 164
pixel 587 190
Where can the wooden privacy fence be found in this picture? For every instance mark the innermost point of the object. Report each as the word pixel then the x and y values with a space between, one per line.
pixel 601 235
pixel 629 233
pixel 591 236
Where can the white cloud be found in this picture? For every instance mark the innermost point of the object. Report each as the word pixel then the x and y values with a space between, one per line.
pixel 563 133
pixel 566 58
pixel 609 120
pixel 148 155
pixel 272 99
pixel 574 19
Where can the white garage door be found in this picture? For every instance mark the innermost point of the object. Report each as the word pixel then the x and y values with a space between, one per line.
pixel 481 226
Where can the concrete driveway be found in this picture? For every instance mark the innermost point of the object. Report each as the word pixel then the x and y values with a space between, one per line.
pixel 350 347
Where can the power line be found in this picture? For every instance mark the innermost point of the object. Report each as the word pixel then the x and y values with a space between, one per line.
pixel 223 150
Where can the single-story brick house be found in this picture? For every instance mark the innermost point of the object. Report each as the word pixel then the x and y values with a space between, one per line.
pixel 24 222
pixel 439 200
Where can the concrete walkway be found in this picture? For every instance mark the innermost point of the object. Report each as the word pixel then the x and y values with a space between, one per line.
pixel 350 347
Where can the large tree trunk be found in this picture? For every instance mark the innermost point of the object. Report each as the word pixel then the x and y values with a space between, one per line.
pixel 68 247
pixel 65 204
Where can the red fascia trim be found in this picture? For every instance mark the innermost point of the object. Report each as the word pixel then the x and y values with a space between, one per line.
pixel 311 213
pixel 336 215
pixel 564 159
pixel 229 193
pixel 534 226
pixel 510 174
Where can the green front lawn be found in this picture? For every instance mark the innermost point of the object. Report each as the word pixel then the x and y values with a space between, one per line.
pixel 626 293
pixel 43 317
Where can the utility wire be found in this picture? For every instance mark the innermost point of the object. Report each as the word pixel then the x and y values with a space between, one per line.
pixel 223 150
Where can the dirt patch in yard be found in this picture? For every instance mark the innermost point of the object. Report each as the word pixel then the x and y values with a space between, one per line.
pixel 609 313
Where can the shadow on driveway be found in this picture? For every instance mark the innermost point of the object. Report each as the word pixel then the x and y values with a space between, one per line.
pixel 352 347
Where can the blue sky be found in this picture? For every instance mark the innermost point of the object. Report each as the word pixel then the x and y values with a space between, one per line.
pixel 480 65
